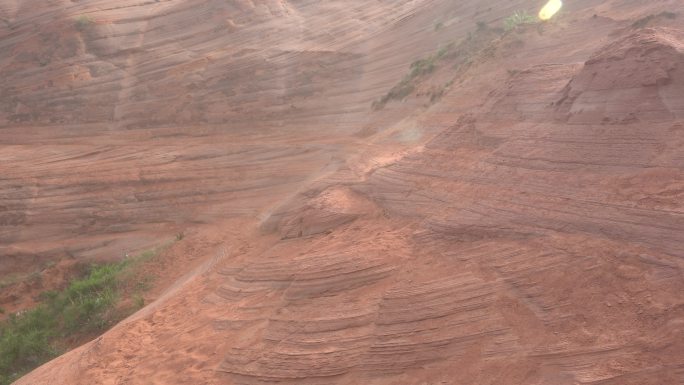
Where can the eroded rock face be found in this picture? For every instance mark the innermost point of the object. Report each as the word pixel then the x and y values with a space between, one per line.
pixel 637 78
pixel 522 229
pixel 122 123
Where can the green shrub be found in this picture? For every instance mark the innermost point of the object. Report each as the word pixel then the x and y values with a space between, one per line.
pixel 417 69
pixel 82 22
pixel 422 67
pixel 444 50
pixel 518 18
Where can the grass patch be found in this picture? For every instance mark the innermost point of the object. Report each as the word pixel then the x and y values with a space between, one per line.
pixel 139 301
pixel 88 305
pixel 517 19
pixel 13 279
pixel 9 280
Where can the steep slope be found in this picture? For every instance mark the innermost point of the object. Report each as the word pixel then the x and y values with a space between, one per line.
pixel 124 123
pixel 525 227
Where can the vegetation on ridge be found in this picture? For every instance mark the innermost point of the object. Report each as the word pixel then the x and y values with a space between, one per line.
pixel 87 306
pixel 460 54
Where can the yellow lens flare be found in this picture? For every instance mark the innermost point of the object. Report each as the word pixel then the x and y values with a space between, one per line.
pixel 550 9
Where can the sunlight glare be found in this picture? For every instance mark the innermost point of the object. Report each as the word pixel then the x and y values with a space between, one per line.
pixel 550 9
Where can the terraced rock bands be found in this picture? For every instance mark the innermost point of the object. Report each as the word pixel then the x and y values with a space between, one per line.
pixel 524 227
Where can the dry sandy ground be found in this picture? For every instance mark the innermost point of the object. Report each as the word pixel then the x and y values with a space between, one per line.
pixel 525 228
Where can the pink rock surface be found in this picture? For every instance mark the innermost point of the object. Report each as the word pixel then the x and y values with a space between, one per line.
pixel 525 226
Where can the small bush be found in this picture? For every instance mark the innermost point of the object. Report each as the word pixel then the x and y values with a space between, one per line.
pixel 417 69
pixel 436 95
pixel 422 67
pixel 439 26
pixel 398 92
pixel 518 18
pixel 139 301
pixel 443 51
pixel 82 22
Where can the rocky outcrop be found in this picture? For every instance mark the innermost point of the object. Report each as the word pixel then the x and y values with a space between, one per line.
pixel 637 78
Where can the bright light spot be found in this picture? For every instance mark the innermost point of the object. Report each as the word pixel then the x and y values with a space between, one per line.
pixel 550 9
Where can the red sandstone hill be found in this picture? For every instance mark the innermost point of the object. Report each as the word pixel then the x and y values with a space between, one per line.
pixel 516 218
